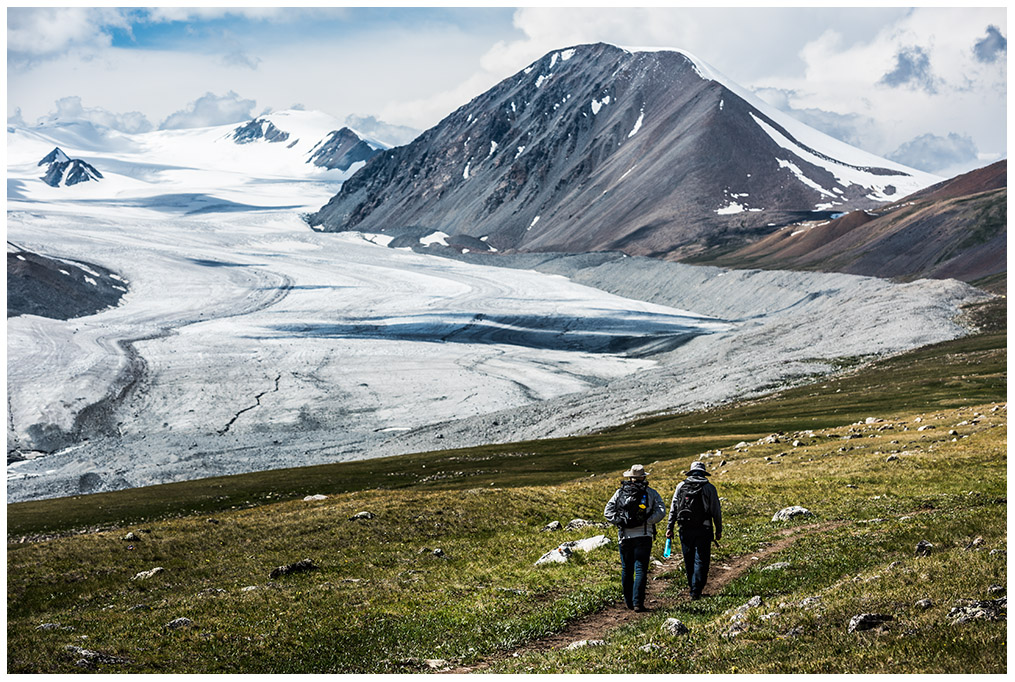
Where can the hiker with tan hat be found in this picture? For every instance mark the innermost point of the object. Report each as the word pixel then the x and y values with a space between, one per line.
pixel 635 509
pixel 696 511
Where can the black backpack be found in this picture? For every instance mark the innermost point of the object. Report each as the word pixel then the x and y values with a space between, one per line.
pixel 691 504
pixel 632 504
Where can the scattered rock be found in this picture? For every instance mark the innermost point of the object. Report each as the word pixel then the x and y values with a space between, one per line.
pixel 924 604
pixel 213 521
pixel 131 537
pixel 769 616
pixel 996 589
pixel 925 427
pixel 740 613
pixel 868 621
pixel 313 498
pixel 362 516
pixel 301 566
pixel 892 458
pixel 672 626
pixel 991 609
pixel 976 543
pixel 440 554
pixel 435 663
pixel 794 632
pixel 790 513
pixel 563 552
pixel 650 647
pixel 810 602
pixel 48 626
pixel 178 623
pixel 551 527
pixel 998 553
pixel 140 607
pixel 578 524
pixel 923 548
pixel 150 573
pixel 582 643
pixel 90 658
pixel 248 588
pixel 778 566
pixel 797 443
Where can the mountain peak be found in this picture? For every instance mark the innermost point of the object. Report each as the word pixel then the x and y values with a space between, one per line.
pixel 594 147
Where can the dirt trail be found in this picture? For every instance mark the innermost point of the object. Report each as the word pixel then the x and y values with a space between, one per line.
pixel 598 624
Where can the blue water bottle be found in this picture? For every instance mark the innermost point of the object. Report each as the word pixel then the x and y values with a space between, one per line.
pixel 668 548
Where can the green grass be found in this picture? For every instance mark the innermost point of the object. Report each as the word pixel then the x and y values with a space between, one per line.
pixel 382 602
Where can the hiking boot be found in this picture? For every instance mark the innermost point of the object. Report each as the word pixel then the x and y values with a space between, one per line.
pixel 642 609
pixel 695 597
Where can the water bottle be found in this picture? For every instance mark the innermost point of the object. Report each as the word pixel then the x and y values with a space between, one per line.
pixel 668 548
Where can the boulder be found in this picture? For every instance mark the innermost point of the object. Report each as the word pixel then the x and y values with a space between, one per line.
pixel 582 643
pixel 563 552
pixel 996 589
pixel 131 537
pixel 301 566
pixel 990 609
pixel 791 513
pixel 551 527
pixel 868 621
pixel 578 524
pixel 178 623
pixel 313 498
pixel 649 648
pixel 923 548
pixel 672 626
pixel 362 516
pixel 924 604
pixel 150 573
pixel 778 566
pixel 90 658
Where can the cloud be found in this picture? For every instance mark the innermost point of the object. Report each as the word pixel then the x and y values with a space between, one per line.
pixel 40 33
pixel 384 132
pixel 934 153
pixel 166 14
pixel 71 109
pixel 211 110
pixel 15 119
pixel 991 47
pixel 241 58
pixel 912 68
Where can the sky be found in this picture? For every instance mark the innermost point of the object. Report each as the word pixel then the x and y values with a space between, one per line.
pixel 925 86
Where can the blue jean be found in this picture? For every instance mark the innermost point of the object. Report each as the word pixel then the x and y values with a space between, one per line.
pixel 696 546
pixel 634 557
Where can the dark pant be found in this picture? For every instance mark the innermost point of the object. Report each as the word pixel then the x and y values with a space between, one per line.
pixel 696 545
pixel 634 557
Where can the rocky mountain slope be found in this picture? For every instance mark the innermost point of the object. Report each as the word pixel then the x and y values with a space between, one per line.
pixel 598 148
pixel 58 288
pixel 957 229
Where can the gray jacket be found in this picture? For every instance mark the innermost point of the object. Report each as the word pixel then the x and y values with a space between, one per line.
pixel 710 496
pixel 657 514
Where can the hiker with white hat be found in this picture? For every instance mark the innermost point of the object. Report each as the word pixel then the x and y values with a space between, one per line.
pixel 635 509
pixel 696 511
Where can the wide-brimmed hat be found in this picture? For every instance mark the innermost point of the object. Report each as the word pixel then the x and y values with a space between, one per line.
pixel 698 468
pixel 637 471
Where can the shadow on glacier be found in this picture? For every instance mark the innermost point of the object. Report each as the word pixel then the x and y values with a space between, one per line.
pixel 636 335
pixel 192 203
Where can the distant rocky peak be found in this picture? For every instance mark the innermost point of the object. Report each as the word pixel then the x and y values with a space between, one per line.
pixel 340 150
pixel 259 129
pixel 63 170
pixel 55 156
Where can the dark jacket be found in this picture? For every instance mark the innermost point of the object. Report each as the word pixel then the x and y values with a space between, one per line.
pixel 657 514
pixel 710 496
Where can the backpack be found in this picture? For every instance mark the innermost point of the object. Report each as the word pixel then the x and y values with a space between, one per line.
pixel 632 504
pixel 691 505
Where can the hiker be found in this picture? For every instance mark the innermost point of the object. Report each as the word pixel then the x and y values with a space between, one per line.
pixel 635 509
pixel 695 509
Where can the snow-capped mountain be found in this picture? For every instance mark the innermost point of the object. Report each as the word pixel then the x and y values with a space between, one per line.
pixel 599 148
pixel 61 170
pixel 194 169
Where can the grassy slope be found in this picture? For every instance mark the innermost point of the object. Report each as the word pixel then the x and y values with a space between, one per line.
pixel 381 600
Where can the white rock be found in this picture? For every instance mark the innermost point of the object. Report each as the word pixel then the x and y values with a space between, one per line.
pixel 144 575
pixel 312 498
pixel 790 513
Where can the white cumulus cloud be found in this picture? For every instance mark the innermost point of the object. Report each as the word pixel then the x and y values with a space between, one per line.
pixel 211 110
pixel 71 109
